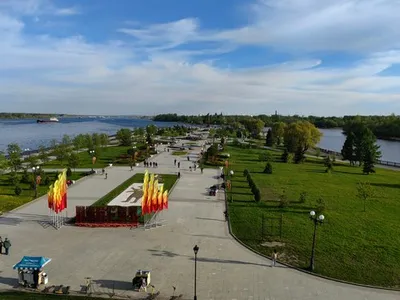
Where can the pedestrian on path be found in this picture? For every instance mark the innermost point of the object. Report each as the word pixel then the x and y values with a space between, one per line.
pixel 188 158
pixel 175 162
pixel 274 258
pixel 131 167
pixel 201 170
pixel 179 164
pixel 102 171
pixel 106 176
pixel 1 245
pixel 7 245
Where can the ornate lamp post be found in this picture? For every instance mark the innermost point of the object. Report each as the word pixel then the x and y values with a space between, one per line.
pixel 195 250
pixel 35 172
pixel 316 220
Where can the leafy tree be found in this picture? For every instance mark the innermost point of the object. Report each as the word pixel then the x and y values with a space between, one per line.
pixel 17 190
pixel 365 192
pixel 69 172
pixel 328 163
pixel 89 141
pixel 124 136
pixel 151 129
pixel 3 163
pixel 73 160
pixel 270 139
pixel 14 157
pixel 61 153
pixel 212 152
pixel 371 152
pixel 32 161
pixel 257 194
pixel 15 178
pixel 66 140
pixel 254 126
pixel 348 149
pixel 301 136
pixel 79 142
pixel 278 131
pixel 138 131
pixel 104 140
pixel 96 139
pixel 43 155
pixel 299 156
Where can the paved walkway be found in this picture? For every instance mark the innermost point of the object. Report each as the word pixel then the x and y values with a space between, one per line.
pixel 226 270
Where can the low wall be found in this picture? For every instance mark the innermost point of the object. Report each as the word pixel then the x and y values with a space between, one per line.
pixel 107 216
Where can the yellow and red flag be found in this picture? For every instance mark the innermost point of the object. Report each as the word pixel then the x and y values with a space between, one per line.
pixel 154 199
pixel 160 198
pixel 150 194
pixel 145 192
pixel 50 197
pixel 165 200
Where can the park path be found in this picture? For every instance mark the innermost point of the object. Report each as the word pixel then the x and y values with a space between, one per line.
pixel 226 270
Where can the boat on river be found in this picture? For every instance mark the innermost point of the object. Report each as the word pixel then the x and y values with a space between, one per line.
pixel 51 120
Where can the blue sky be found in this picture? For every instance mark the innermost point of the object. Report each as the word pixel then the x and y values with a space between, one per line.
pixel 331 57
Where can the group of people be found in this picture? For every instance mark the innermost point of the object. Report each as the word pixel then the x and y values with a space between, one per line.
pixel 150 164
pixel 6 244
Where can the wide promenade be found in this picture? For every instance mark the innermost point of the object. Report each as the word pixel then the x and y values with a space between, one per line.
pixel 226 270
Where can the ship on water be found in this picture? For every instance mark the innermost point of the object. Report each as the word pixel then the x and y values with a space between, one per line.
pixel 51 120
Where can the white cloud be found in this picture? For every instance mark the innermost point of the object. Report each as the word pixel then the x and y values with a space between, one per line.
pixel 70 11
pixel 151 73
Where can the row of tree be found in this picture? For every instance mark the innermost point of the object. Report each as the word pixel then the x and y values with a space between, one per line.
pixel 386 127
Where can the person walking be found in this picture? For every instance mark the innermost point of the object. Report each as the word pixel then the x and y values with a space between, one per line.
pixel 106 176
pixel 179 164
pixel 188 158
pixel 1 245
pixel 102 171
pixel 201 170
pixel 274 258
pixel 7 245
pixel 175 162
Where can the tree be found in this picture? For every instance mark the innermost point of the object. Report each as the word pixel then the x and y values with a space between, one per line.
pixel 104 140
pixel 212 152
pixel 254 126
pixel 96 140
pixel 3 163
pixel 32 161
pixel 61 152
pixel 278 131
pixel 370 152
pixel 89 142
pixel 301 136
pixel 151 129
pixel 138 131
pixel 66 140
pixel 43 155
pixel 268 168
pixel 124 136
pixel 348 149
pixel 328 163
pixel 73 160
pixel 79 142
pixel 14 157
pixel 364 192
pixel 269 141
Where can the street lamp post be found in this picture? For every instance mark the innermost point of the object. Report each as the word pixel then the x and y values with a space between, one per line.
pixel 316 220
pixel 195 250
pixel 36 172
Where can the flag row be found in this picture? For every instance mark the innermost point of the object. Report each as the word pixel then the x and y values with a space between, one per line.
pixel 57 195
pixel 154 197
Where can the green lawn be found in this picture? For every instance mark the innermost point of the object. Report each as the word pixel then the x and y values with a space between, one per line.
pixel 353 245
pixel 10 201
pixel 168 181
pixel 178 153
pixel 37 296
pixel 116 155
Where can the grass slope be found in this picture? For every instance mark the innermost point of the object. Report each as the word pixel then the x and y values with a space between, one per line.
pixel 9 200
pixel 352 245
pixel 108 155
pixel 168 181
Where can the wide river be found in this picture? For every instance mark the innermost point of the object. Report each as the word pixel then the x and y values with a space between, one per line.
pixel 30 135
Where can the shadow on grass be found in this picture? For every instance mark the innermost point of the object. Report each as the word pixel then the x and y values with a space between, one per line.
pixel 350 173
pixel 247 194
pixel 227 261
pixel 388 185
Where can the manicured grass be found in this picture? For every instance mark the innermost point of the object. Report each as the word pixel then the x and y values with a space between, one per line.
pixel 168 181
pixel 37 296
pixel 10 201
pixel 352 245
pixel 116 155
pixel 178 153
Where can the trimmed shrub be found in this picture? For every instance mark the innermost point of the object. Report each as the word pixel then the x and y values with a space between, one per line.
pixel 245 173
pixel 268 168
pixel 303 197
pixel 257 194
pixel 17 190
pixel 25 177
pixel 69 172
pixel 283 200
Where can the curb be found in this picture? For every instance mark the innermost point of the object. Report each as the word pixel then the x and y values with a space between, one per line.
pixel 302 270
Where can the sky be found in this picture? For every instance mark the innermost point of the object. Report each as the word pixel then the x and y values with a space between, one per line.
pixel 146 57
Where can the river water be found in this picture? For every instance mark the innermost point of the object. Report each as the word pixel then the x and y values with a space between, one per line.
pixel 333 139
pixel 30 135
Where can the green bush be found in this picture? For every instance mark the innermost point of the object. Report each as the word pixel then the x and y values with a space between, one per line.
pixel 47 181
pixel 257 194
pixel 245 172
pixel 303 197
pixel 69 172
pixel 268 168
pixel 283 200
pixel 17 190
pixel 25 177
